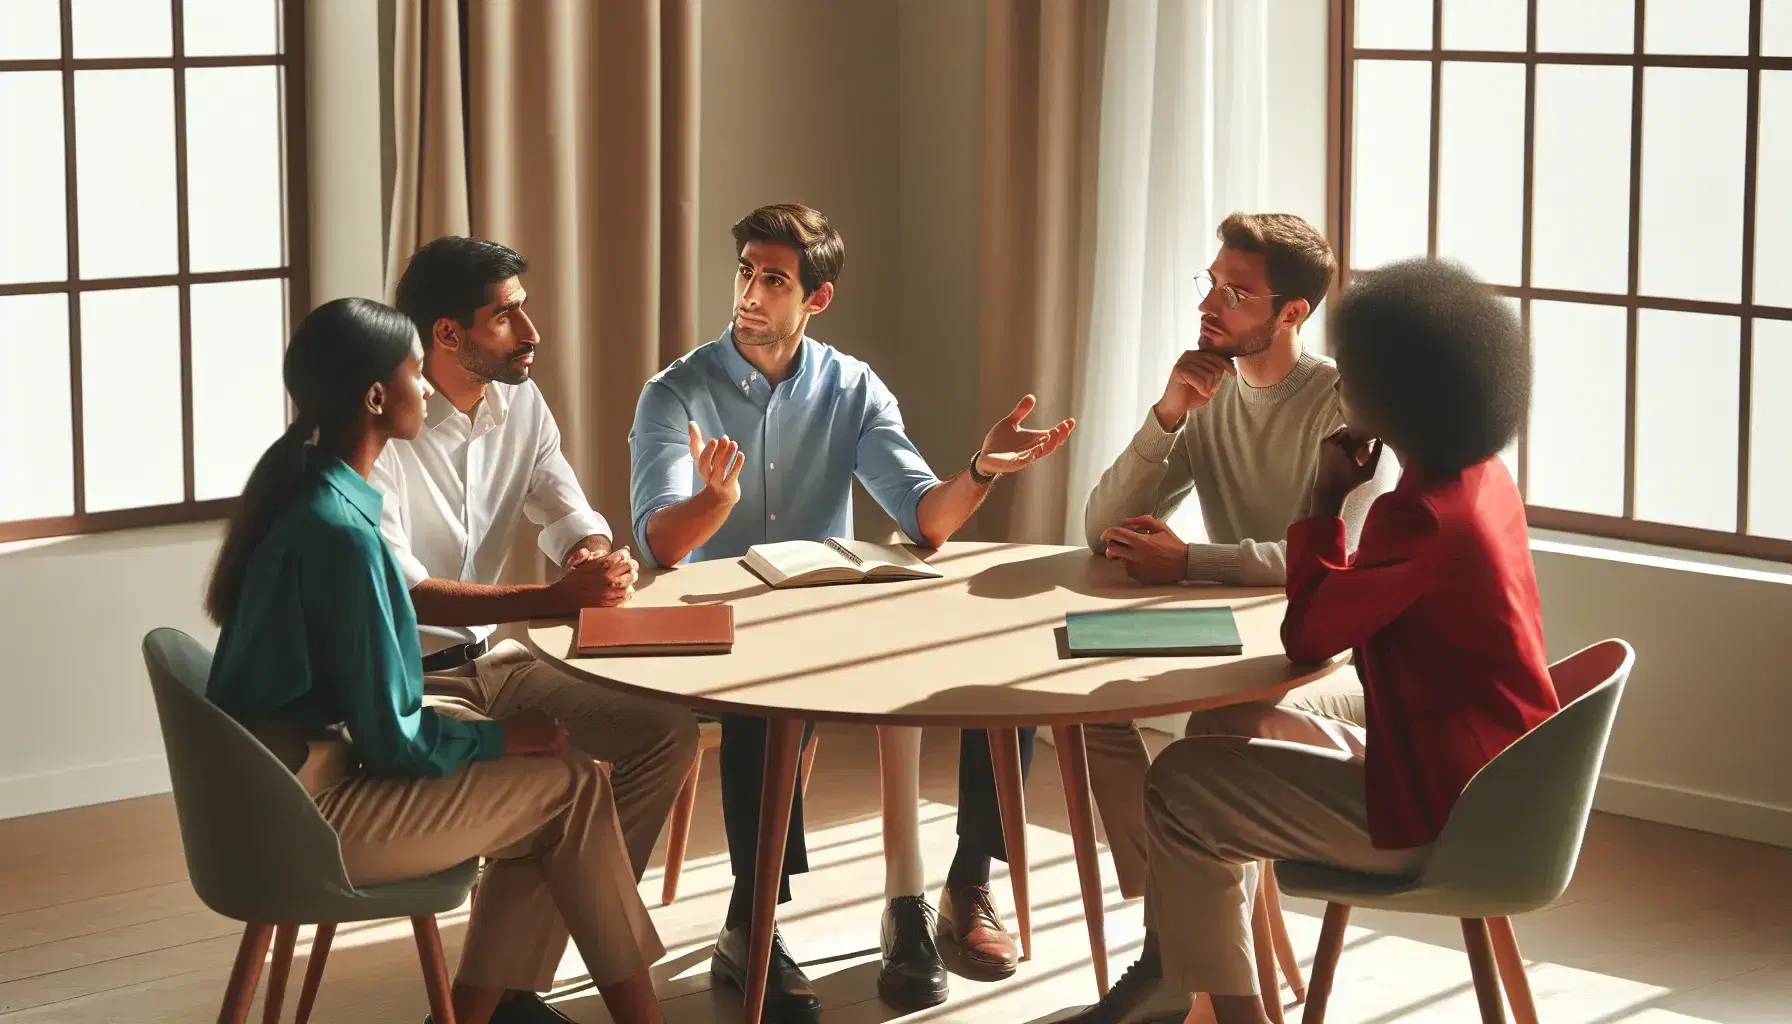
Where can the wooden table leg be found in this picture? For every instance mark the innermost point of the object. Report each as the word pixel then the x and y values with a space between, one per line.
pixel 1073 763
pixel 1004 757
pixel 783 749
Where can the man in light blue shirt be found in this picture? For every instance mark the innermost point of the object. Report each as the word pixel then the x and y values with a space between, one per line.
pixel 790 422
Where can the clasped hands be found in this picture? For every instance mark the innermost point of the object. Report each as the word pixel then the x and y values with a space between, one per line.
pixel 1148 549
pixel 597 577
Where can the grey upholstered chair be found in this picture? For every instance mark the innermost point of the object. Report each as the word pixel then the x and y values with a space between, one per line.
pixel 258 850
pixel 1509 846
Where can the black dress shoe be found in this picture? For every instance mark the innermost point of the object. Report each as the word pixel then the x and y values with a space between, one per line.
pixel 523 1008
pixel 789 998
pixel 1139 997
pixel 528 1008
pixel 913 975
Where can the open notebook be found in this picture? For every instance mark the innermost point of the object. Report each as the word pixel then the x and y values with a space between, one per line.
pixel 806 563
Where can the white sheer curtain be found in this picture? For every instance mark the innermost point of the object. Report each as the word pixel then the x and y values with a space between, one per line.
pixel 1184 141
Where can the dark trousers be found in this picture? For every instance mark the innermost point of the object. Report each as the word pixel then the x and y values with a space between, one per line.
pixel 979 815
pixel 743 774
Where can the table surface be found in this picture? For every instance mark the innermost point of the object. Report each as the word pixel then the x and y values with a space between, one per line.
pixel 981 648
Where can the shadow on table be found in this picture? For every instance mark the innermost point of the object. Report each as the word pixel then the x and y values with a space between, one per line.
pixel 1190 688
pixel 1080 572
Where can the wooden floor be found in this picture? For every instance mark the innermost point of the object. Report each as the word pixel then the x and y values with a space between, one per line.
pixel 98 924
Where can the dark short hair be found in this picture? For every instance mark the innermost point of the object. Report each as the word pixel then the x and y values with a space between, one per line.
pixel 1439 360
pixel 451 277
pixel 1299 258
pixel 821 252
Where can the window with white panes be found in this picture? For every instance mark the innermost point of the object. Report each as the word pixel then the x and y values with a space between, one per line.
pixel 1622 171
pixel 151 254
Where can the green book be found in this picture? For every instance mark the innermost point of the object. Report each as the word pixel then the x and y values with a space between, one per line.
pixel 1168 632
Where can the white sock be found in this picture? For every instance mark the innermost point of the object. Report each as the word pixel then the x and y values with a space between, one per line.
pixel 899 764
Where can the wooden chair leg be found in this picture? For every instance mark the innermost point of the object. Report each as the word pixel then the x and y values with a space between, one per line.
pixel 1278 933
pixel 1486 973
pixel 809 762
pixel 680 837
pixel 1011 801
pixel 314 971
pixel 285 938
pixel 245 974
pixel 1263 948
pixel 1325 961
pixel 435 969
pixel 1073 766
pixel 1511 966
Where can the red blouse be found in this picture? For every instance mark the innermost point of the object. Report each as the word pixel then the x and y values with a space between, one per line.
pixel 1440 606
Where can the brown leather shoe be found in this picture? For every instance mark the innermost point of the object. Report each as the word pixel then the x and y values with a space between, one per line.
pixel 971 936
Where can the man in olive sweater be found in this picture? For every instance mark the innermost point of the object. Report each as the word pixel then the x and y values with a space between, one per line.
pixel 1239 424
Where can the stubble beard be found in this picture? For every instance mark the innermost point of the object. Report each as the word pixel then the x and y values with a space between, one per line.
pixel 1245 345
pixel 490 367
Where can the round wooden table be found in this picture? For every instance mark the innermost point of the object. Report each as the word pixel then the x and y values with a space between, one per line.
pixel 981 648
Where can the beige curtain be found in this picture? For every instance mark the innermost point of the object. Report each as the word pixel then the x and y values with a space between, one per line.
pixel 1041 99
pixel 567 130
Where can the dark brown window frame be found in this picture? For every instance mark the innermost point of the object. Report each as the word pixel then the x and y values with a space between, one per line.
pixel 1342 55
pixel 295 238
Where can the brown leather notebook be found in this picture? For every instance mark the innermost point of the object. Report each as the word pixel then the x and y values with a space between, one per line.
pixel 679 629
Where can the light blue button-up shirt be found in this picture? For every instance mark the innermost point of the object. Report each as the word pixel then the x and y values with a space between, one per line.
pixel 803 441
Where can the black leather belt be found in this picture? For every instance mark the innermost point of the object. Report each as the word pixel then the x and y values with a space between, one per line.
pixel 454 657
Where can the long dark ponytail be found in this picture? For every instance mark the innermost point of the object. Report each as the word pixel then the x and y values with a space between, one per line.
pixel 338 351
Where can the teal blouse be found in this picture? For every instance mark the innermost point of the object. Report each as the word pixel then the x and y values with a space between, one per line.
pixel 324 633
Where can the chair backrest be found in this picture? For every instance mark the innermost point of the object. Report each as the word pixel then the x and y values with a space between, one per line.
pixel 1514 835
pixel 257 848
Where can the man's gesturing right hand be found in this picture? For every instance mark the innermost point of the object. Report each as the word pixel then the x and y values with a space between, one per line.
pixel 1192 383
pixel 719 463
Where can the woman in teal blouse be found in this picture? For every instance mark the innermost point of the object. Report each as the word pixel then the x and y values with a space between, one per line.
pixel 319 657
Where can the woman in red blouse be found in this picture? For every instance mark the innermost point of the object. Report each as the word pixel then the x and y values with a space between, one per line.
pixel 1439 606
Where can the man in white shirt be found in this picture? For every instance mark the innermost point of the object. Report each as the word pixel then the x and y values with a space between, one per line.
pixel 489 455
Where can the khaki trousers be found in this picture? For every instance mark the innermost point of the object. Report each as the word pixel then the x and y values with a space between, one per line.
pixel 555 862
pixel 1217 805
pixel 649 744
pixel 1118 760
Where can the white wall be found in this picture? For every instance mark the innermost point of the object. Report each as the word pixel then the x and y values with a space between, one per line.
pixel 1700 739
pixel 80 725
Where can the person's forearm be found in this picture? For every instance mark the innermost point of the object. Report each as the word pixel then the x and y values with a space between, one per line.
pixel 1148 478
pixel 453 603
pixel 1323 504
pixel 947 507
pixel 1248 563
pixel 677 530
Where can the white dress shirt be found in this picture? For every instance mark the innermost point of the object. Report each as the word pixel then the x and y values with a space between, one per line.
pixel 455 496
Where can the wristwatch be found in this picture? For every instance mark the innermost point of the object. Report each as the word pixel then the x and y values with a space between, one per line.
pixel 980 479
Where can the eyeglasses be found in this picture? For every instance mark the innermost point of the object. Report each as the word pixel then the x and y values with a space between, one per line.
pixel 1230 295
